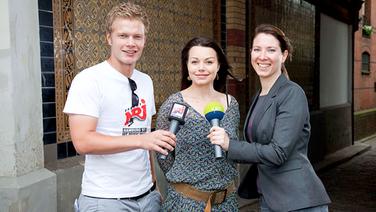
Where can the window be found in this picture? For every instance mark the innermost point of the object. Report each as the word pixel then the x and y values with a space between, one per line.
pixel 365 63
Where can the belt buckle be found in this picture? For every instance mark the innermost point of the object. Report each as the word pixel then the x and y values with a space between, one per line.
pixel 224 195
pixel 218 194
pixel 224 192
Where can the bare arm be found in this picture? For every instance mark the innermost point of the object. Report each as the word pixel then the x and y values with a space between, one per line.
pixel 87 141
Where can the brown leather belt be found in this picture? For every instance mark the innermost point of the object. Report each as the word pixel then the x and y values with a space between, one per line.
pixel 210 197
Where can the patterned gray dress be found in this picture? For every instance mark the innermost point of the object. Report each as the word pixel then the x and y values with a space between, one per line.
pixel 193 159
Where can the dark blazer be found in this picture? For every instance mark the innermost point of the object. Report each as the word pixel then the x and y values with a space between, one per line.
pixel 279 146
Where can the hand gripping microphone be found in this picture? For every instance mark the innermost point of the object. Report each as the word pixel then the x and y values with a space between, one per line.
pixel 214 112
pixel 176 117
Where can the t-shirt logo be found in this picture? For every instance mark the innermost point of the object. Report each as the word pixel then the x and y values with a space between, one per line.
pixel 138 112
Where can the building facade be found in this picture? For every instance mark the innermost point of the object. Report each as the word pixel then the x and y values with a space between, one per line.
pixel 365 72
pixel 46 42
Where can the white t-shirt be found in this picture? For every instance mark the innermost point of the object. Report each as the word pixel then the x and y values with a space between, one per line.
pixel 102 92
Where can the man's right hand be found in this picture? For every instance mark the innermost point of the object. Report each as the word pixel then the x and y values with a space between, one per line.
pixel 159 140
pixel 87 141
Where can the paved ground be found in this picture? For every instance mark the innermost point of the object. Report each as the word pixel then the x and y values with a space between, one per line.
pixel 352 185
pixel 349 177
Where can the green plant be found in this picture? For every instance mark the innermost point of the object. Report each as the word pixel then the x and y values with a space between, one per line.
pixel 367 30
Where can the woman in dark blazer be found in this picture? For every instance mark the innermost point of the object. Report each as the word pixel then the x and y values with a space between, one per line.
pixel 277 132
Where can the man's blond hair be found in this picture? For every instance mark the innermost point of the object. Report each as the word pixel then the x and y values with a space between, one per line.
pixel 126 10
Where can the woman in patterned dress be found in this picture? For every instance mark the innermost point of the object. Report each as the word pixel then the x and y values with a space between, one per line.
pixel 197 181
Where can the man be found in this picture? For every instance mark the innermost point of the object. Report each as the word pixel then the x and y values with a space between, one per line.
pixel 110 106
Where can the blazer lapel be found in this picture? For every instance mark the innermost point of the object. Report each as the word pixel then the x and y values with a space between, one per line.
pixel 268 102
pixel 280 81
pixel 258 116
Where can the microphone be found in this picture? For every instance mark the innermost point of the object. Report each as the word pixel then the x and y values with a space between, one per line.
pixel 176 117
pixel 214 112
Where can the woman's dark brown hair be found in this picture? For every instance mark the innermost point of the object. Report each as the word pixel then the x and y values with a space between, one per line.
pixel 284 42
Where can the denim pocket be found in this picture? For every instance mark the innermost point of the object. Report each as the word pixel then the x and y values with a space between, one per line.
pixel 76 206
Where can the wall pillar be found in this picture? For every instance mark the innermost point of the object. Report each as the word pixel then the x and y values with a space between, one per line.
pixel 24 183
pixel 236 50
pixel 236 36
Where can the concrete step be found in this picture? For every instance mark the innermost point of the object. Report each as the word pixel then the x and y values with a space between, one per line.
pixel 341 156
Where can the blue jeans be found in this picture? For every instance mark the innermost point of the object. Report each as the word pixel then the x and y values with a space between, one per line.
pixel 265 208
pixel 149 203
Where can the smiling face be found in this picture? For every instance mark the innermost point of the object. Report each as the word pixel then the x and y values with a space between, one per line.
pixel 202 65
pixel 266 56
pixel 127 40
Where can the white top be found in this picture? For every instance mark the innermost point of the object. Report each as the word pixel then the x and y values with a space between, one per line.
pixel 102 92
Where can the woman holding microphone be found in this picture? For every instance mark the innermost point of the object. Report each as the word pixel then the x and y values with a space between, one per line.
pixel 276 131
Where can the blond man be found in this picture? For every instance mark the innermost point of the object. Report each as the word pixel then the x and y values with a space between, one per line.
pixel 110 107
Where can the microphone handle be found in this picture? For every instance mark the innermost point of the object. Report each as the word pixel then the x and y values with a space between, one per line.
pixel 217 148
pixel 218 151
pixel 174 126
pixel 214 122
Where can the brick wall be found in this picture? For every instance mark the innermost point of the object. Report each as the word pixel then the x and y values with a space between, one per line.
pixel 364 124
pixel 236 42
pixel 236 47
pixel 364 84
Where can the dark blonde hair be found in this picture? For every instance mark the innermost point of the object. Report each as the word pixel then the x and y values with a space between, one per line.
pixel 284 42
pixel 126 10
